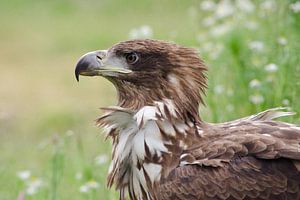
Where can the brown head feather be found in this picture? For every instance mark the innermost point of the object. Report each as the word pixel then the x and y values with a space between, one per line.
pixel 164 71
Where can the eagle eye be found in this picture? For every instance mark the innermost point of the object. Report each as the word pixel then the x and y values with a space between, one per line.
pixel 131 58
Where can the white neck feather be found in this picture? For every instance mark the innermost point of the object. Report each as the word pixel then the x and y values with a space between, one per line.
pixel 137 139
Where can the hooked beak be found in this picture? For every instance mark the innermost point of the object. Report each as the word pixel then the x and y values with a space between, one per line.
pixel 95 64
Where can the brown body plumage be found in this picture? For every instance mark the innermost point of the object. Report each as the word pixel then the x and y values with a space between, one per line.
pixel 163 150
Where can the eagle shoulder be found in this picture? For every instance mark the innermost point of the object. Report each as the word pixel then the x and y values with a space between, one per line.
pixel 256 136
pixel 250 158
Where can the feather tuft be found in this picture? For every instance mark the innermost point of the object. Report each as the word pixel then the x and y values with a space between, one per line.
pixel 272 113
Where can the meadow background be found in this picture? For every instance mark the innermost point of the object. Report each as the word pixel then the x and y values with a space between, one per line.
pixel 49 145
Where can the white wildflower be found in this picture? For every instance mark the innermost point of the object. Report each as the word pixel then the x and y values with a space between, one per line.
pixel 31 190
pixel 282 41
pixel 88 186
pixel 84 189
pixel 285 102
pixel 295 7
pixel 69 133
pixel 24 175
pixel 33 186
pixel 254 83
pixel 92 184
pixel 224 9
pixel 218 89
pixel 229 107
pixel 251 25
pixel 146 31
pixel 101 159
pixel 245 5
pixel 256 99
pixel 220 30
pixel 271 67
pixel 208 21
pixel 141 32
pixel 208 5
pixel 268 5
pixel 256 46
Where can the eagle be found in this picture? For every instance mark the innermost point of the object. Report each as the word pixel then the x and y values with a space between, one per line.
pixel 161 147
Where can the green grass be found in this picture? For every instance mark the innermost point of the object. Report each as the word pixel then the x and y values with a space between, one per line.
pixel 47 118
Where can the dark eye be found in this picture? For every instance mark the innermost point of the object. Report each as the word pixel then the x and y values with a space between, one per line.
pixel 132 58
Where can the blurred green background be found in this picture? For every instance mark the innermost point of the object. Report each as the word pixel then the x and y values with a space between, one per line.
pixel 49 145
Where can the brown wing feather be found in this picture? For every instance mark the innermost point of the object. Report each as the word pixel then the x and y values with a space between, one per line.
pixel 244 178
pixel 262 139
pixel 239 160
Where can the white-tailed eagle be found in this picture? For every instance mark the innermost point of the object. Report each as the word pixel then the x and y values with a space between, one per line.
pixel 162 149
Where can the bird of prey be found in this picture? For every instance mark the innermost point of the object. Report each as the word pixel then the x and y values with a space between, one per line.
pixel 163 149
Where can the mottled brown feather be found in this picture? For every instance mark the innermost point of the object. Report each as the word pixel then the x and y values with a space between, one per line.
pixel 235 180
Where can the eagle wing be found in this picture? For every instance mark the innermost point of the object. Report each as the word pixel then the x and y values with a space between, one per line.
pixel 251 158
pixel 243 178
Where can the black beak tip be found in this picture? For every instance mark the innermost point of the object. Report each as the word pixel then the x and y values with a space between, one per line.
pixel 77 76
pixel 81 66
pixel 86 64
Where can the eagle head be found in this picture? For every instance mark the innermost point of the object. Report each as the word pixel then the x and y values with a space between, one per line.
pixel 148 71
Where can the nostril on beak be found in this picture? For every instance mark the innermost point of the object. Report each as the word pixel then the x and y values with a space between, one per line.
pixel 99 57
